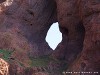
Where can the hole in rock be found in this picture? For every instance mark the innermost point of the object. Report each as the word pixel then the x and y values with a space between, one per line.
pixel 54 36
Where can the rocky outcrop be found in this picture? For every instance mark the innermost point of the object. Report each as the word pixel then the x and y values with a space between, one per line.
pixel 24 25
pixel 80 18
pixel 72 30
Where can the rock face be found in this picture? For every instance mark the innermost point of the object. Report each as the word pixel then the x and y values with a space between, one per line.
pixel 72 30
pixel 81 20
pixel 24 25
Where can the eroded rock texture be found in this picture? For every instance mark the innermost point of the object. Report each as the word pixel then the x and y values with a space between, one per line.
pixel 24 25
pixel 72 30
pixel 23 28
pixel 80 17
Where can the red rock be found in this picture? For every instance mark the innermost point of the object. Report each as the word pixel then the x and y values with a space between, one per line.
pixel 75 16
pixel 23 28
pixel 24 25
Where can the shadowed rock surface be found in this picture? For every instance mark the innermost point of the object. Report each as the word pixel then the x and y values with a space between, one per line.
pixel 23 28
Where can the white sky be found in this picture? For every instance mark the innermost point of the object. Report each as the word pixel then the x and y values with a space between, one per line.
pixel 54 36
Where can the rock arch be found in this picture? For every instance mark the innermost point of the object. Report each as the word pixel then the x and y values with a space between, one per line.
pixel 25 25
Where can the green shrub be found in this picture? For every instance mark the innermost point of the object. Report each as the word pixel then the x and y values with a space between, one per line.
pixel 40 61
pixel 6 54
